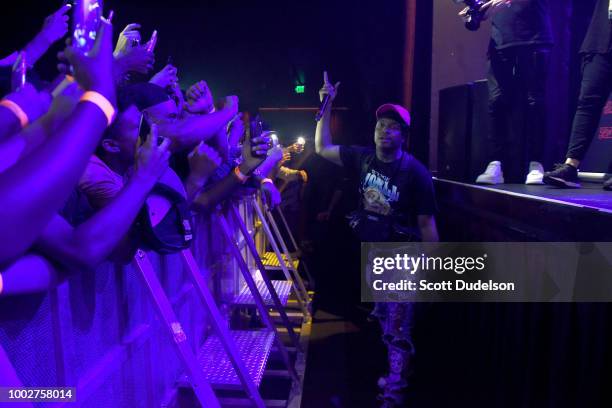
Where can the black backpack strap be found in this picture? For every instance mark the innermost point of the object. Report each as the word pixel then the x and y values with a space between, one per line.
pixel 365 166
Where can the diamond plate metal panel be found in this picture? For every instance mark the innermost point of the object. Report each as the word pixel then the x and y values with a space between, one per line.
pixel 282 287
pixel 270 260
pixel 253 346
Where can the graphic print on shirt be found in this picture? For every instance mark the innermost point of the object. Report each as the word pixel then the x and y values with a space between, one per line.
pixel 378 194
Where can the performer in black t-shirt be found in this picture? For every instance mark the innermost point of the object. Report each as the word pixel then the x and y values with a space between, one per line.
pixel 397 204
pixel 594 92
pixel 518 53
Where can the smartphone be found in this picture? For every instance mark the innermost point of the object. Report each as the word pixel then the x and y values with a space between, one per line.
pixel 257 131
pixel 144 129
pixel 86 20
pixel 274 138
pixel 152 42
pixel 19 73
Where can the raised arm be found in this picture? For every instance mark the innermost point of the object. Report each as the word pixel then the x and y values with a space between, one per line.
pixel 253 153
pixel 189 132
pixel 36 187
pixel 32 103
pixel 54 29
pixel 323 137
pixel 22 143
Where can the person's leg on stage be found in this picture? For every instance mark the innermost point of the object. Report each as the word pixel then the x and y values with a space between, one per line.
pixel 534 65
pixel 594 92
pixel 499 80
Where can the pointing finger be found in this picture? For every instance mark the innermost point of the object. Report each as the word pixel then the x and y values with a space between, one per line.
pixel 63 9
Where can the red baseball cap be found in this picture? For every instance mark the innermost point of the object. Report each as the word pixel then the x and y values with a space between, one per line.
pixel 397 111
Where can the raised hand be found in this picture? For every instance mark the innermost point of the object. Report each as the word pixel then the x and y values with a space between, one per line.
pixel 328 88
pixel 93 71
pixel 166 77
pixel 254 152
pixel 135 59
pixel 286 156
pixel 235 131
pixel 55 26
pixel 203 161
pixel 199 98
pixel 128 38
pixel 34 103
pixel 152 157
pixel 177 96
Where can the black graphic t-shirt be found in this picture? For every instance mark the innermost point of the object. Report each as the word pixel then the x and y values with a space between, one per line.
pixel 402 189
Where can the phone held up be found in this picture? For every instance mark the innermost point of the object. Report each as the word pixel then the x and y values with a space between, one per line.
pixel 86 20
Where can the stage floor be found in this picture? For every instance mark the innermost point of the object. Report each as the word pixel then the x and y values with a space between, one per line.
pixel 516 212
pixel 591 195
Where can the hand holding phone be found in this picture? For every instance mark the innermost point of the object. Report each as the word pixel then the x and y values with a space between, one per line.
pixel 87 18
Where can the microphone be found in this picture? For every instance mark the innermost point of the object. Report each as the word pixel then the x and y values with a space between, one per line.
pixel 323 107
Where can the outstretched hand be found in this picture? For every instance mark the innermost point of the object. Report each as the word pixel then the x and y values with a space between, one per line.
pixel 152 157
pixel 128 38
pixel 199 98
pixel 135 59
pixel 55 26
pixel 328 88
pixel 254 152
pixel 166 77
pixel 203 161
pixel 93 70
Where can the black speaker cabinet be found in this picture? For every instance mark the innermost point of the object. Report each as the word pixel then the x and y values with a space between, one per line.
pixel 464 123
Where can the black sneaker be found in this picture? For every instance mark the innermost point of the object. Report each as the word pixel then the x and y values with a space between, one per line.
pixel 608 184
pixel 564 176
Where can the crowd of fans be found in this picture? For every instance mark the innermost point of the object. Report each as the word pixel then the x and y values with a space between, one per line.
pixel 109 149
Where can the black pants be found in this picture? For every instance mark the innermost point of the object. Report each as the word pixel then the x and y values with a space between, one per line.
pixel 594 92
pixel 517 83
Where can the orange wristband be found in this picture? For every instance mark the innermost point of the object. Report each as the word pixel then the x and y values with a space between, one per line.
pixel 101 102
pixel 267 180
pixel 17 111
pixel 243 179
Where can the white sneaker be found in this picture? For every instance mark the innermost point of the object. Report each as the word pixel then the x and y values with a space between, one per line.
pixel 536 174
pixel 492 175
